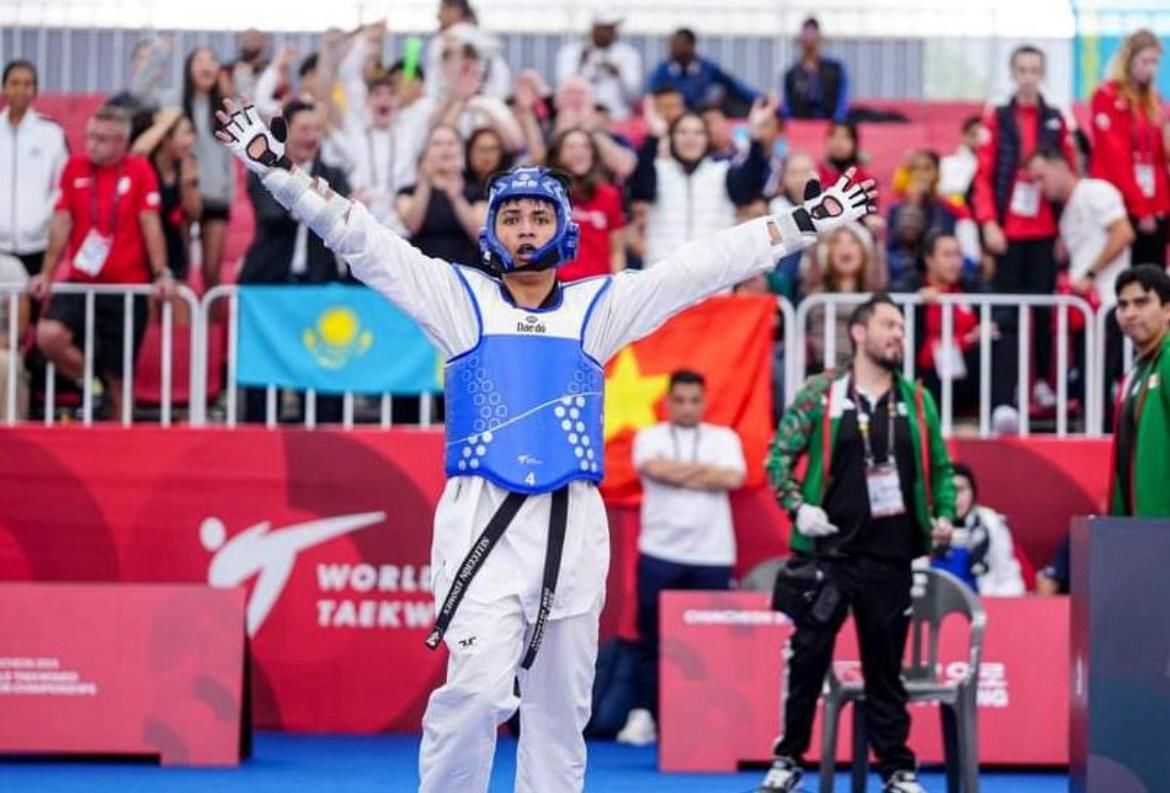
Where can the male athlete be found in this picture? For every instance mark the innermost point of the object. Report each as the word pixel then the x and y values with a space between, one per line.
pixel 521 545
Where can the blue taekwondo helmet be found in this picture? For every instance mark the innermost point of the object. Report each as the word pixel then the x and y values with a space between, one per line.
pixel 542 184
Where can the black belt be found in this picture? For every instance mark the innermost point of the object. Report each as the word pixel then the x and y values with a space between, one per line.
pixel 557 523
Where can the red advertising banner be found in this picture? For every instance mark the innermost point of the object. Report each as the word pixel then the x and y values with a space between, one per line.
pixel 122 669
pixel 329 533
pixel 722 669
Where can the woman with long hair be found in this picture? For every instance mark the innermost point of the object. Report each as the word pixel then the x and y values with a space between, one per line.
pixel 1129 150
pixel 169 144
pixel 847 263
pixel 487 154
pixel 690 194
pixel 442 212
pixel 217 173
pixel 597 207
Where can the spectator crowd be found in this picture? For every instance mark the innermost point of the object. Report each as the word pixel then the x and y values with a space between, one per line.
pixel 657 155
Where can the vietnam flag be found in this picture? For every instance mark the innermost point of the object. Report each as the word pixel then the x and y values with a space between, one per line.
pixel 728 340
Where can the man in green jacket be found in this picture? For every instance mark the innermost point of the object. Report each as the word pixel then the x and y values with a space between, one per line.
pixel 1140 478
pixel 877 492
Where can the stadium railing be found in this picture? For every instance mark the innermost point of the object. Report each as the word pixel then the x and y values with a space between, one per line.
pixel 833 304
pixel 183 295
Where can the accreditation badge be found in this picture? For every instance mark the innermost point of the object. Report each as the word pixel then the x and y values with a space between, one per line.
pixel 885 490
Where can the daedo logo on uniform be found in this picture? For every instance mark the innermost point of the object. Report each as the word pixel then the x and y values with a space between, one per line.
pixel 530 324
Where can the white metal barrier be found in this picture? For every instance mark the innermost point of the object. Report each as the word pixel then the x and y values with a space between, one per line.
pixel 795 337
pixel 230 293
pixel 831 304
pixel 13 295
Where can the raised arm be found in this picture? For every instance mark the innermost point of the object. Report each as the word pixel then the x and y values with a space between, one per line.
pixel 428 290
pixel 639 301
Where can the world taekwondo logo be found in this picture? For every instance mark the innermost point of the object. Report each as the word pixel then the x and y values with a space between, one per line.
pixel 269 555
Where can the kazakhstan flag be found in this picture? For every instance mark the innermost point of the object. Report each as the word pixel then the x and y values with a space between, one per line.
pixel 333 339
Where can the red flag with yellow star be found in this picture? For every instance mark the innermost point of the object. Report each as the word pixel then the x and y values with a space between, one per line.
pixel 728 340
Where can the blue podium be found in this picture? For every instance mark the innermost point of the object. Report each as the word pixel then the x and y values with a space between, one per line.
pixel 1119 735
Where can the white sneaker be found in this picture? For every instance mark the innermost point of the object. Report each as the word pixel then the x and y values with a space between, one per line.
pixel 783 777
pixel 640 729
pixel 1005 420
pixel 903 782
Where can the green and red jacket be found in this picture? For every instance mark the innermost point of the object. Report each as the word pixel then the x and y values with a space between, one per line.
pixel 810 425
pixel 1150 466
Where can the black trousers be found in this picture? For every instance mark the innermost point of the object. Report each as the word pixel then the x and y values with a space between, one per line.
pixel 1027 268
pixel 1148 247
pixel 654 577
pixel 878 593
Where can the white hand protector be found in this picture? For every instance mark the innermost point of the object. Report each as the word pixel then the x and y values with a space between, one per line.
pixel 840 204
pixel 261 149
pixel 813 522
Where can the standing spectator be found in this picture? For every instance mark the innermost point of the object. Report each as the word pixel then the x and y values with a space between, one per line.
pixel 442 211
pixel 147 74
pixel 1097 236
pixel 32 153
pixel 14 278
pixel 1141 439
pixel 815 86
pixel 847 263
pixel 981 552
pixel 464 105
pixel 245 70
pixel 217 173
pixel 458 24
pixel 957 171
pixel 722 141
pixel 611 66
pixel 1019 226
pixel 842 152
pixel 597 207
pixel 1093 224
pixel 687 539
pixel 274 86
pixel 798 170
pixel 876 493
pixel 941 273
pixel 169 146
pixel 378 141
pixel 1129 148
pixel 285 251
pixel 106 221
pixel 575 108
pixel 936 212
pixel 690 194
pixel 486 156
pixel 701 81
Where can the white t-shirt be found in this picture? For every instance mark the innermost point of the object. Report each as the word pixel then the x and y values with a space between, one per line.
pixel 12 273
pixel 679 524
pixel 1093 206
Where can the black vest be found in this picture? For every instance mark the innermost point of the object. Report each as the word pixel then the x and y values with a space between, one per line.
pixel 809 99
pixel 1009 157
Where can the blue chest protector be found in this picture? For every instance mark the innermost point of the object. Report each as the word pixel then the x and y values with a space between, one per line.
pixel 525 405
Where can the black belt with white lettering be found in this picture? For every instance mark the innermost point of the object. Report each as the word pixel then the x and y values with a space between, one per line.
pixel 557 524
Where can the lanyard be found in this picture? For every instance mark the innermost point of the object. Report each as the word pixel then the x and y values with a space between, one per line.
pixel 863 424
pixel 694 446
pixel 93 200
pixel 374 161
